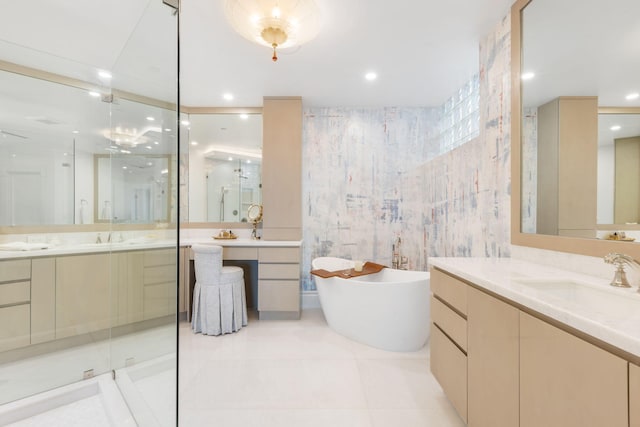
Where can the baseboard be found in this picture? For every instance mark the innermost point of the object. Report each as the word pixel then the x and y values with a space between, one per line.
pixel 310 300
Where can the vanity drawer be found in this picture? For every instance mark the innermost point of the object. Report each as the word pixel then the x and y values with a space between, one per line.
pixel 449 367
pixel 279 255
pixel 15 270
pixel 239 253
pixel 159 274
pixel 450 290
pixel 278 295
pixel 14 293
pixel 451 323
pixel 15 327
pixel 279 271
pixel 160 257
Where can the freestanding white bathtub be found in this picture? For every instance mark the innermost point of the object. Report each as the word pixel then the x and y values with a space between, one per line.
pixel 388 310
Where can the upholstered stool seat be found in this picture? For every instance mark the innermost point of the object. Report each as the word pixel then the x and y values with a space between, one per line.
pixel 219 301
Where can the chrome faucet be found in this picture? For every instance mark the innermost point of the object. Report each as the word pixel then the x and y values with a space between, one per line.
pixel 619 261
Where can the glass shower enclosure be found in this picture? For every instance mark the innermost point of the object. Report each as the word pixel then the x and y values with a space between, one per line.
pixel 89 147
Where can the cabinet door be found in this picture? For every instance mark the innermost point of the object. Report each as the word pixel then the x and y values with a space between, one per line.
pixel 449 367
pixel 492 358
pixel 634 395
pixel 82 294
pixel 567 382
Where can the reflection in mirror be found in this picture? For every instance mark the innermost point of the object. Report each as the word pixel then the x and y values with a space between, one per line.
pixel 568 73
pixel 49 135
pixel 225 162
pixel 132 188
pixel 619 169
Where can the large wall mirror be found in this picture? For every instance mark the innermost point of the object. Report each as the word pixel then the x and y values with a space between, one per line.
pixel 575 125
pixel 225 165
pixel 76 153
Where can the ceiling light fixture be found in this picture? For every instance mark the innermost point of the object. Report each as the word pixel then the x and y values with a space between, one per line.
pixel 104 74
pixel 528 75
pixel 228 96
pixel 615 127
pixel 371 76
pixel 632 96
pixel 274 23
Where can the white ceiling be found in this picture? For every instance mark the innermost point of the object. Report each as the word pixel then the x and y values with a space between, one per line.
pixel 422 50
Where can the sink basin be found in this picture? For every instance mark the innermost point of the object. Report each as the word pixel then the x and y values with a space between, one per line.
pixel 609 301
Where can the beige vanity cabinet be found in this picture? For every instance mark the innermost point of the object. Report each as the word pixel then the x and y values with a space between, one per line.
pixel 449 338
pixel 492 361
pixel 279 283
pixel 15 304
pixel 634 395
pixel 159 283
pixel 567 382
pixel 128 289
pixel 83 294
pixel 43 300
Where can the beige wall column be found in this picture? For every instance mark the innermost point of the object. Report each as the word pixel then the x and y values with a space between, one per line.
pixel 282 168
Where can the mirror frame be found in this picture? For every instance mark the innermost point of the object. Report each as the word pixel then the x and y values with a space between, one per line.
pixel 217 110
pixel 579 246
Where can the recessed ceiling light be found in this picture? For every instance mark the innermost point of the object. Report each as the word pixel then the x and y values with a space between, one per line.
pixel 94 93
pixel 244 116
pixel 150 118
pixel 528 75
pixel 148 147
pixel 371 76
pixel 167 130
pixel 249 161
pixel 75 131
pixel 615 127
pixel 632 96
pixel 230 159
pixel 124 167
pixel 228 96
pixel 156 142
pixel 104 74
pixel 194 142
pixel 185 122
pixel 125 151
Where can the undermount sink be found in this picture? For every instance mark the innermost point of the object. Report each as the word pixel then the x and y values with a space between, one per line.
pixel 600 299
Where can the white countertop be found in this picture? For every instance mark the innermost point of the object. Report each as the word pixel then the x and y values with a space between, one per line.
pixel 33 251
pixel 615 324
pixel 243 242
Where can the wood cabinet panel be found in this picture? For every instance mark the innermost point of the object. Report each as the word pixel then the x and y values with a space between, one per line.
pixel 15 270
pixel 449 367
pixel 83 296
pixel 15 292
pixel 567 382
pixel 160 257
pixel 634 395
pixel 451 290
pixel 492 361
pixel 291 255
pixel 43 300
pixel 239 253
pixel 278 295
pixel 156 300
pixel 15 327
pixel 279 271
pixel 451 323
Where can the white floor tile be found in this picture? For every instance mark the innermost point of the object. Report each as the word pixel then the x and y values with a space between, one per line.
pixel 302 373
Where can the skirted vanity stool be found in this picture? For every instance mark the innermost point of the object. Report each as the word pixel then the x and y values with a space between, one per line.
pixel 219 300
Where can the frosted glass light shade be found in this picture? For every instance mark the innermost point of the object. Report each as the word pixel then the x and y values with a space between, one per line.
pixel 274 23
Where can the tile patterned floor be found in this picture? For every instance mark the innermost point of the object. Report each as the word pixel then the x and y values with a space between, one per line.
pixel 301 373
